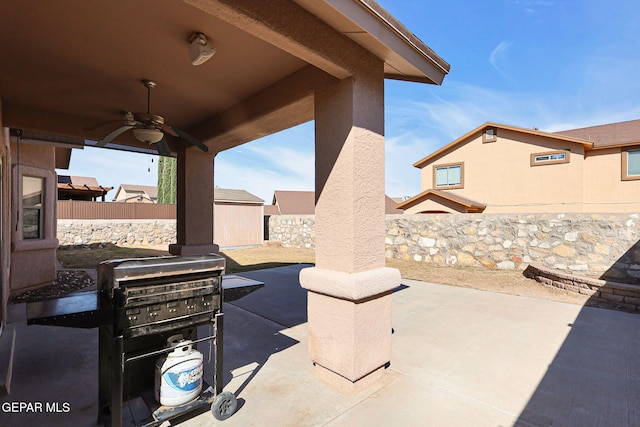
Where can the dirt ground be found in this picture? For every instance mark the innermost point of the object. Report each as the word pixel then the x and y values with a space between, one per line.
pixel 510 282
pixel 268 256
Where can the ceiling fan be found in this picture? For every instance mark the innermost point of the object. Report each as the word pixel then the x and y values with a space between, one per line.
pixel 150 128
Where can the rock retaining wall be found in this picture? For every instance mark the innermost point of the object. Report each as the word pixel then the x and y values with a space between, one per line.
pixel 618 295
pixel 118 232
pixel 601 245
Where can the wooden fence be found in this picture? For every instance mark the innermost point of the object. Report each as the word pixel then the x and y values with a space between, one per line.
pixel 74 209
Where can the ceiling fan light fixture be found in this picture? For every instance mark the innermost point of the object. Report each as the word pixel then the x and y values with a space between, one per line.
pixel 200 50
pixel 150 136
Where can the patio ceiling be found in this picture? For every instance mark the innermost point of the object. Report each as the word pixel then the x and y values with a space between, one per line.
pixel 68 65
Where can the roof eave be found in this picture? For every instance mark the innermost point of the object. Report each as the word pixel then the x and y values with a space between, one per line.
pixel 425 195
pixel 588 145
pixel 405 56
pixel 621 145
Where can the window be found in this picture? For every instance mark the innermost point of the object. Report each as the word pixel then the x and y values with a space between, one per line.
pixel 549 158
pixel 32 198
pixel 490 135
pixel 631 165
pixel 449 176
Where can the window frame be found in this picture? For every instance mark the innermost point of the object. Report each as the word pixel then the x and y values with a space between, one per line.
pixel 47 238
pixel 448 165
pixel 38 208
pixel 534 162
pixel 624 167
pixel 486 139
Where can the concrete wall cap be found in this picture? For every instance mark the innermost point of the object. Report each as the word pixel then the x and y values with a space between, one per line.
pixel 351 286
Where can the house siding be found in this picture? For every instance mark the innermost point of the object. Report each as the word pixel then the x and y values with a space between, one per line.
pixel 435 206
pixel 35 160
pixel 604 189
pixel 499 174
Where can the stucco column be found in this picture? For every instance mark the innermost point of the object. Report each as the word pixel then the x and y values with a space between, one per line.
pixel 194 210
pixel 349 298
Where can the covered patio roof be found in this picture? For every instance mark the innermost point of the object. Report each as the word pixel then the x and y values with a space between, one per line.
pixel 72 67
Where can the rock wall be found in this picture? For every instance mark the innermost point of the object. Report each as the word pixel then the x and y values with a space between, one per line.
pixel 602 293
pixel 602 245
pixel 293 231
pixel 116 231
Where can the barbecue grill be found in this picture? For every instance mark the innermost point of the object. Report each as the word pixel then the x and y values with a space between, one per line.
pixel 138 305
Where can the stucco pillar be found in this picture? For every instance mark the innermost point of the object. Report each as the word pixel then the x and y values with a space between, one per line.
pixel 5 223
pixel 349 298
pixel 194 210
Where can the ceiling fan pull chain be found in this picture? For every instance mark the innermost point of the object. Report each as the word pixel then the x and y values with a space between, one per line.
pixel 148 99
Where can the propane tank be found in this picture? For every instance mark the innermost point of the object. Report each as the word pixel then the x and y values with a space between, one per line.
pixel 178 376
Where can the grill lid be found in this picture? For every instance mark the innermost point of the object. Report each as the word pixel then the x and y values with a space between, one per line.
pixel 138 268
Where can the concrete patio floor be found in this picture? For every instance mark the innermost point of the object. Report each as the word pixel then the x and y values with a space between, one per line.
pixel 461 357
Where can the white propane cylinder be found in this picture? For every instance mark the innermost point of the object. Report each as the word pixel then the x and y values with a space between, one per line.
pixel 178 376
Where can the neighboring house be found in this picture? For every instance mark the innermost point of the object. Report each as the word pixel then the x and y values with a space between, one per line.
pixel 128 193
pixel 80 188
pixel 304 203
pixel 294 202
pixel 499 168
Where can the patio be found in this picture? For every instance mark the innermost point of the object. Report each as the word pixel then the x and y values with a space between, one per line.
pixel 461 357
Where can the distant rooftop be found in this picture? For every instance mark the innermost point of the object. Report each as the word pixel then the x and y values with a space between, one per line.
pixel 612 134
pixel 304 203
pixel 229 195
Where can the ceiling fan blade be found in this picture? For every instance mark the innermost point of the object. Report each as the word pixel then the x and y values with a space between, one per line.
pixel 163 148
pixel 191 140
pixel 103 124
pixel 113 135
pixel 168 129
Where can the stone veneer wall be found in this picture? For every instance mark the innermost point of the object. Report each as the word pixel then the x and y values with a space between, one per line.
pixel 116 231
pixel 610 294
pixel 293 231
pixel 603 245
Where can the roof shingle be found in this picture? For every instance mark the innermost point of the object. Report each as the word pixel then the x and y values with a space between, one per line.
pixel 608 135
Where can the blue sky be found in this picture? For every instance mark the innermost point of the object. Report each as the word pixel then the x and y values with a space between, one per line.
pixel 550 64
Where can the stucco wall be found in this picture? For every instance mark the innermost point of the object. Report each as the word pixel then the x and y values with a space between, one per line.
pixel 238 224
pixel 594 244
pixel 35 160
pixel 499 174
pixel 604 189
pixel 5 226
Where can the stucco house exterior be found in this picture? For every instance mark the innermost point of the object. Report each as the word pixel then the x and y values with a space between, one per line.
pixel 68 67
pixel 498 168
pixel 129 193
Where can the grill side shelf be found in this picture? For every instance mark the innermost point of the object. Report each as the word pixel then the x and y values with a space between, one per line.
pixel 90 309
pixel 80 310
pixel 235 287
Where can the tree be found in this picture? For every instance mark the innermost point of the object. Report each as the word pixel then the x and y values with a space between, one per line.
pixel 167 179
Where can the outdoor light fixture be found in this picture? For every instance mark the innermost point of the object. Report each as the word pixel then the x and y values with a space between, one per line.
pixel 199 49
pixel 148 135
